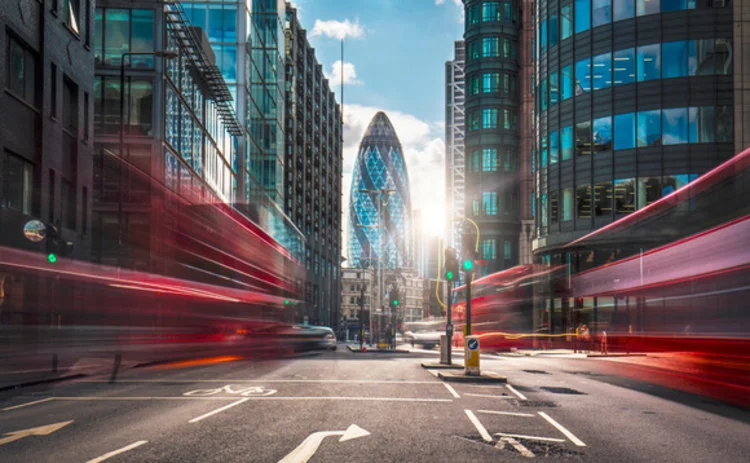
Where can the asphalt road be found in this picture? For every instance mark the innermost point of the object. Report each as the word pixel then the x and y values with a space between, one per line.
pixel 346 407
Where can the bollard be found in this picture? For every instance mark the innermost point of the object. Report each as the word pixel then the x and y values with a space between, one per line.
pixel 116 367
pixel 471 356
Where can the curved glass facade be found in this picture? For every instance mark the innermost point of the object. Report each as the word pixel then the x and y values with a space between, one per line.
pixel 492 107
pixel 634 98
pixel 380 166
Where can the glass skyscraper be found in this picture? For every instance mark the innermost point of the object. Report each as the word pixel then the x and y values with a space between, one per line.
pixel 380 174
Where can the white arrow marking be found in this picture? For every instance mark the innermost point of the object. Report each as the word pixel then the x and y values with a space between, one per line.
pixel 40 431
pixel 309 446
pixel 504 441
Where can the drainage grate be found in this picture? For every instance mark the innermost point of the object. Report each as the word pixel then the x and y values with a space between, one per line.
pixel 537 403
pixel 536 372
pixel 561 390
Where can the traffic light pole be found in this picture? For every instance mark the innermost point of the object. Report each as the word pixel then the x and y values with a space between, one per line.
pixel 449 323
pixel 467 328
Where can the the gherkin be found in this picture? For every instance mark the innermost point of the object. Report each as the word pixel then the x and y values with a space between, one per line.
pixel 380 166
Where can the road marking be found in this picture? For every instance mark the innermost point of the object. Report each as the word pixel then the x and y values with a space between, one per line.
pixel 310 445
pixel 376 399
pixel 451 390
pixel 562 429
pixel 434 373
pixel 218 410
pixel 118 451
pixel 478 424
pixel 501 444
pixel 38 431
pixel 514 391
pixel 265 380
pixel 495 412
pixel 28 403
pixel 521 436
pixel 488 396
pixel 250 391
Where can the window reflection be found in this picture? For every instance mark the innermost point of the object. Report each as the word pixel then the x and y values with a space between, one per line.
pixel 603 199
pixel 644 7
pixel 554 94
pixel 553 208
pixel 583 201
pixel 675 56
pixel 554 148
pixel 567 204
pixel 724 124
pixel 701 124
pixel 603 134
pixel 602 12
pixel 583 15
pixel 649 190
pixel 490 47
pixel 649 128
pixel 702 57
pixel 583 138
pixel 675 126
pixel 624 66
pixel 624 195
pixel 649 62
pixel 544 151
pixel 543 93
pixel 602 71
pixel 554 33
pixel 567 82
pixel 583 76
pixel 673 5
pixel 624 131
pixel 566 142
pixel 566 21
pixel 623 9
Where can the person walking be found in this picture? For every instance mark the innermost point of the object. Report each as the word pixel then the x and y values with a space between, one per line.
pixel 603 346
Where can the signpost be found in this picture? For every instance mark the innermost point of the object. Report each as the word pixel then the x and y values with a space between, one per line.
pixel 471 356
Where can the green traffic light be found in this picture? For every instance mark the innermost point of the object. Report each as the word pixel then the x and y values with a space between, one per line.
pixel 449 275
pixel 52 258
pixel 468 264
pixel 286 302
pixel 395 302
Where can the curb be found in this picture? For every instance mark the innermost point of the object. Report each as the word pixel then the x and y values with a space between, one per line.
pixel 357 350
pixel 484 378
pixel 442 366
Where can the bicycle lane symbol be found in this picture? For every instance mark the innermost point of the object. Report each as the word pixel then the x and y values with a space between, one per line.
pixel 253 391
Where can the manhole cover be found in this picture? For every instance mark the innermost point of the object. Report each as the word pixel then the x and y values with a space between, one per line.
pixel 561 390
pixel 536 372
pixel 548 449
pixel 537 403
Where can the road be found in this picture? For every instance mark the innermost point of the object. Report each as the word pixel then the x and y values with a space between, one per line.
pixel 344 407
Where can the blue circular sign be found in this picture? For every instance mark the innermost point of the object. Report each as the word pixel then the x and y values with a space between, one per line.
pixel 473 344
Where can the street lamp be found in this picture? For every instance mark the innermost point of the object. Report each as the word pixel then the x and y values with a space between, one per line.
pixel 164 54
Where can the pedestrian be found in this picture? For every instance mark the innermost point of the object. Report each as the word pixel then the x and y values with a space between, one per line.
pixel 585 337
pixel 578 339
pixel 604 344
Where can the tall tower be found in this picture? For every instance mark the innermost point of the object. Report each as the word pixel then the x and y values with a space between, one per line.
pixel 455 159
pixel 380 207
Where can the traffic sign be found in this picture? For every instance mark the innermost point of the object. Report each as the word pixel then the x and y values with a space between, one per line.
pixel 471 356
pixel 473 344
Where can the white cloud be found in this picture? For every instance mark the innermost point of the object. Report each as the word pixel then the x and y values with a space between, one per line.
pixel 439 2
pixel 350 74
pixel 338 29
pixel 459 8
pixel 424 152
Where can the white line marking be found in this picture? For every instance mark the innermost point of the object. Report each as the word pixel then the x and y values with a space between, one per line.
pixel 451 390
pixel 478 424
pixel 488 396
pixel 521 436
pixel 218 410
pixel 494 412
pixel 516 445
pixel 434 373
pixel 263 380
pixel 375 399
pixel 28 403
pixel 562 429
pixel 118 451
pixel 514 391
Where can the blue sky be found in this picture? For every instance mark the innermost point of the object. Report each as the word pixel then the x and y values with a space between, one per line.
pixel 395 54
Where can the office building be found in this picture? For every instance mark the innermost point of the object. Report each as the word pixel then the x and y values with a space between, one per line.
pixel 635 99
pixel 492 141
pixel 351 290
pixel 455 153
pixel 380 202
pixel 312 185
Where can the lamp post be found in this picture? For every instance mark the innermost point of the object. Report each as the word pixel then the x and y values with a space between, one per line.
pixel 164 54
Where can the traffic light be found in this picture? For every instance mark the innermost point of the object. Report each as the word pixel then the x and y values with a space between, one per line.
pixel 451 264
pixel 395 297
pixel 468 251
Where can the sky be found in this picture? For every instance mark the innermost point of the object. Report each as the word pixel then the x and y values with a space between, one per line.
pixel 394 58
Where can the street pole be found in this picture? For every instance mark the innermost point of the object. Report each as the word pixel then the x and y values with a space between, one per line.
pixel 467 328
pixel 361 315
pixel 449 323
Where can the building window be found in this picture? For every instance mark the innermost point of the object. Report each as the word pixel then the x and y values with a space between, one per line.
pixel 124 30
pixel 554 92
pixel 472 15
pixel 474 85
pixel 475 207
pixel 603 199
pixel 566 23
pixel 543 211
pixel 489 250
pixel 473 121
pixel 723 53
pixel 649 128
pixel 554 148
pixel 489 118
pixel 583 15
pixel 138 106
pixel 566 86
pixel 675 56
pixel 701 124
pixel 86 115
pixel 543 33
pixel 554 212
pixel 72 10
pixel 491 12
pixel 567 204
pixel 490 82
pixel 70 105
pixel 489 160
pixel 649 190
pixel 624 131
pixel 602 134
pixel 583 76
pixel 68 198
pixel 623 9
pixel 18 183
pixel 543 94
pixel 624 66
pixel 21 71
pixel 724 124
pixel 583 138
pixel 649 62
pixel 474 49
pixel 644 7
pixel 475 158
pixel 602 12
pixel 554 32
pixel 583 201
pixel 490 47
pixel 566 142
pixel 624 195
pixel 489 203
pixel 543 149
pixel 602 71
pixel 507 250
pixel 674 126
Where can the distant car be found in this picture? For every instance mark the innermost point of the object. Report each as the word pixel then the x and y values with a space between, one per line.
pixel 329 338
pixel 425 333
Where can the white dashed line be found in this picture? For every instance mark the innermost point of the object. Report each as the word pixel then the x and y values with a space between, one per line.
pixel 27 404
pixel 218 410
pixel 376 399
pixel 514 391
pixel 477 424
pixel 521 436
pixel 562 429
pixel 494 412
pixel 451 390
pixel 118 451
pixel 516 445
pixel 488 396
